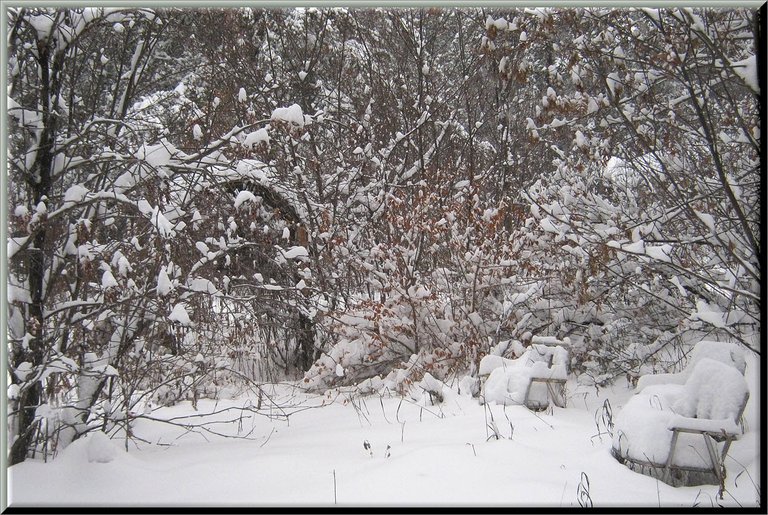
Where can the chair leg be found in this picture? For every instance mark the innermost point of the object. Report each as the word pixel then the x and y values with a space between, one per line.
pixel 526 401
pixel 556 393
pixel 670 457
pixel 716 463
pixel 726 447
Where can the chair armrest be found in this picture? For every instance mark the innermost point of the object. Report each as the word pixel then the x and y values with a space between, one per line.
pixel 655 379
pixel 726 427
pixel 554 373
pixel 548 379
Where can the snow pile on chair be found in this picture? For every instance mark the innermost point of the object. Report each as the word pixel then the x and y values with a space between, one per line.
pixel 725 352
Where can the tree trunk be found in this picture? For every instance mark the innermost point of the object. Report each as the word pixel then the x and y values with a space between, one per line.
pixel 306 343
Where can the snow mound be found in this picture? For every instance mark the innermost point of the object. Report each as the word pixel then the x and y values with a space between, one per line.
pixel 75 194
pixel 99 448
pixel 256 137
pixel 554 355
pixel 162 224
pixel 157 155
pixel 201 285
pixel 243 197
pixel 164 284
pixel 179 314
pixel 506 386
pixel 436 390
pixel 43 24
pixel 746 69
pixel 292 114
pixel 108 280
pixel 296 252
pixel 490 363
pixel 94 447
pixel 469 385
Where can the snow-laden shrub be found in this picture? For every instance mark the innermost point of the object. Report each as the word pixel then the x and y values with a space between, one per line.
pixel 604 280
pixel 435 294
pixel 400 339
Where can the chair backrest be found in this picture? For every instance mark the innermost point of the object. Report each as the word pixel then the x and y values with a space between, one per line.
pixel 713 390
pixel 551 354
pixel 726 352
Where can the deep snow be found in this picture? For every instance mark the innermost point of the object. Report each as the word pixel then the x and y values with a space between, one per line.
pixel 438 456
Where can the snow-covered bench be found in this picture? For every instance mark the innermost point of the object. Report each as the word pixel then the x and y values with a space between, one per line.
pixel 729 353
pixel 534 378
pixel 672 431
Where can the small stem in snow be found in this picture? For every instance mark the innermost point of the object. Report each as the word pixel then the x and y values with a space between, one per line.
pixel 334 486
pixel 383 411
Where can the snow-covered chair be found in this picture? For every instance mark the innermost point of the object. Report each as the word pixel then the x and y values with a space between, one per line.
pixel 534 378
pixel 726 352
pixel 672 431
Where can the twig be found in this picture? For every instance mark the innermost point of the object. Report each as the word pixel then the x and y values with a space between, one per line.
pixel 268 437
pixel 744 469
pixel 547 423
pixel 511 427
pixel 397 413
pixel 582 492
pixel 658 493
pixel 381 401
pixel 562 496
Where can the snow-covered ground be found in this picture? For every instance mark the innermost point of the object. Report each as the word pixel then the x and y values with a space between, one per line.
pixel 420 455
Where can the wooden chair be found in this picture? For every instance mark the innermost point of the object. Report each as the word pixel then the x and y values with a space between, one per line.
pixel 716 422
pixel 540 364
pixel 554 378
pixel 672 432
